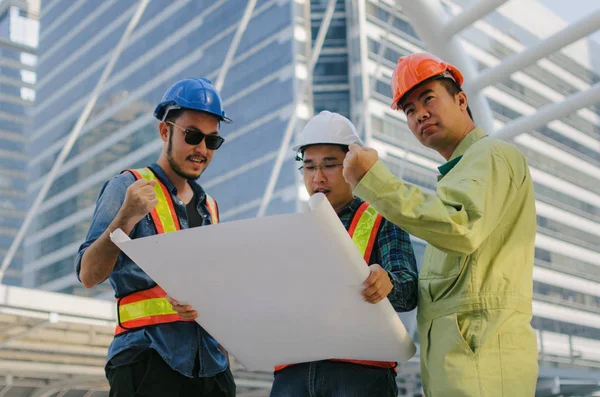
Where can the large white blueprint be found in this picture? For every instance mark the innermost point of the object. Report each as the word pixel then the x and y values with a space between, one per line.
pixel 275 290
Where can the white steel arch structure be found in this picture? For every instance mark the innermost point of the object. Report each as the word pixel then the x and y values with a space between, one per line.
pixel 438 32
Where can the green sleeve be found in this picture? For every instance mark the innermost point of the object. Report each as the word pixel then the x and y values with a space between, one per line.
pixel 469 201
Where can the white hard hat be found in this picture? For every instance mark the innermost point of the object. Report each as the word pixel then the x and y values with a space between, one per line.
pixel 327 128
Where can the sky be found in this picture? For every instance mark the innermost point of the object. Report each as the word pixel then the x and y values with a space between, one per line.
pixel 573 10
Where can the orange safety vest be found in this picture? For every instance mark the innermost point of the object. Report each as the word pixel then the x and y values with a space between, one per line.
pixel 149 307
pixel 363 230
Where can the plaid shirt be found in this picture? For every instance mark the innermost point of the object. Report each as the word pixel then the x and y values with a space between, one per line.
pixel 392 251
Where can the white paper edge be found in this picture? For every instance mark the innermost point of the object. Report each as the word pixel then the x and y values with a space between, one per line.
pixel 316 200
pixel 118 236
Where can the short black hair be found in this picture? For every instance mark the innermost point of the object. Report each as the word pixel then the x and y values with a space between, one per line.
pixel 453 89
pixel 300 154
pixel 173 114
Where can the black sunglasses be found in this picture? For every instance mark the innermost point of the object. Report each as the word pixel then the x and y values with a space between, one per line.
pixel 194 137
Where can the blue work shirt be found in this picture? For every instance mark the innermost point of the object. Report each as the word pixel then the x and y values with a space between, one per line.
pixel 178 343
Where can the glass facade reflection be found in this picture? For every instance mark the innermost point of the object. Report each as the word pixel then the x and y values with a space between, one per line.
pixel 186 39
pixel 18 33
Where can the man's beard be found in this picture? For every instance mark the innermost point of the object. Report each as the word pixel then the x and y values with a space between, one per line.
pixel 174 166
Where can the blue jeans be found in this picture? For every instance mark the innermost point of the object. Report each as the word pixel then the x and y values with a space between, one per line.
pixel 334 379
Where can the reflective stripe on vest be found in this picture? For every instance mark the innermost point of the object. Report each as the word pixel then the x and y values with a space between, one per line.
pixel 363 231
pixel 149 307
pixel 364 228
pixel 143 308
pixel 211 204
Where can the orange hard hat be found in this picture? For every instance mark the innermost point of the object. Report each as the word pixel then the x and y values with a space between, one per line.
pixel 414 69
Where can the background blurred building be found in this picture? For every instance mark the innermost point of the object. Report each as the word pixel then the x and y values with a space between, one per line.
pixel 270 90
pixel 263 89
pixel 18 41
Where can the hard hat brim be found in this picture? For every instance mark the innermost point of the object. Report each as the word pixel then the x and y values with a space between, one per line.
pixel 297 148
pixel 446 75
pixel 162 109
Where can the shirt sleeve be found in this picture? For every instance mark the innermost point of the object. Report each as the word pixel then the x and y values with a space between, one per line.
pixel 467 206
pixel 110 200
pixel 397 257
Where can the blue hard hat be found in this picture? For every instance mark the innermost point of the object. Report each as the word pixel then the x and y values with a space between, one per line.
pixel 196 94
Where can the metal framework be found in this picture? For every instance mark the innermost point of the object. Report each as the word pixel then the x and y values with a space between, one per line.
pixel 235 43
pixel 551 112
pixel 516 62
pixel 53 343
pixel 276 170
pixel 289 132
pixel 439 35
pixel 469 16
pixel 323 29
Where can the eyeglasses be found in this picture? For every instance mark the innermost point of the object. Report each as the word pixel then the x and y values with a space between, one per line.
pixel 325 168
pixel 194 137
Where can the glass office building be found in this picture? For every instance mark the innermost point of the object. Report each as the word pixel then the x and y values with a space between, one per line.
pixel 18 39
pixel 264 87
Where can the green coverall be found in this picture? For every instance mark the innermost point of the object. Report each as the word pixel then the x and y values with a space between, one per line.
pixel 475 286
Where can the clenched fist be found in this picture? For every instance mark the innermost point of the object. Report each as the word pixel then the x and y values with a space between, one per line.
pixel 358 162
pixel 140 199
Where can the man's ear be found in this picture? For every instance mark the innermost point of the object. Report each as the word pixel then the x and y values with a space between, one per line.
pixel 463 101
pixel 163 130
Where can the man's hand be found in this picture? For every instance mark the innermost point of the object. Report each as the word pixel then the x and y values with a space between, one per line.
pixel 185 311
pixel 358 162
pixel 378 285
pixel 140 199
